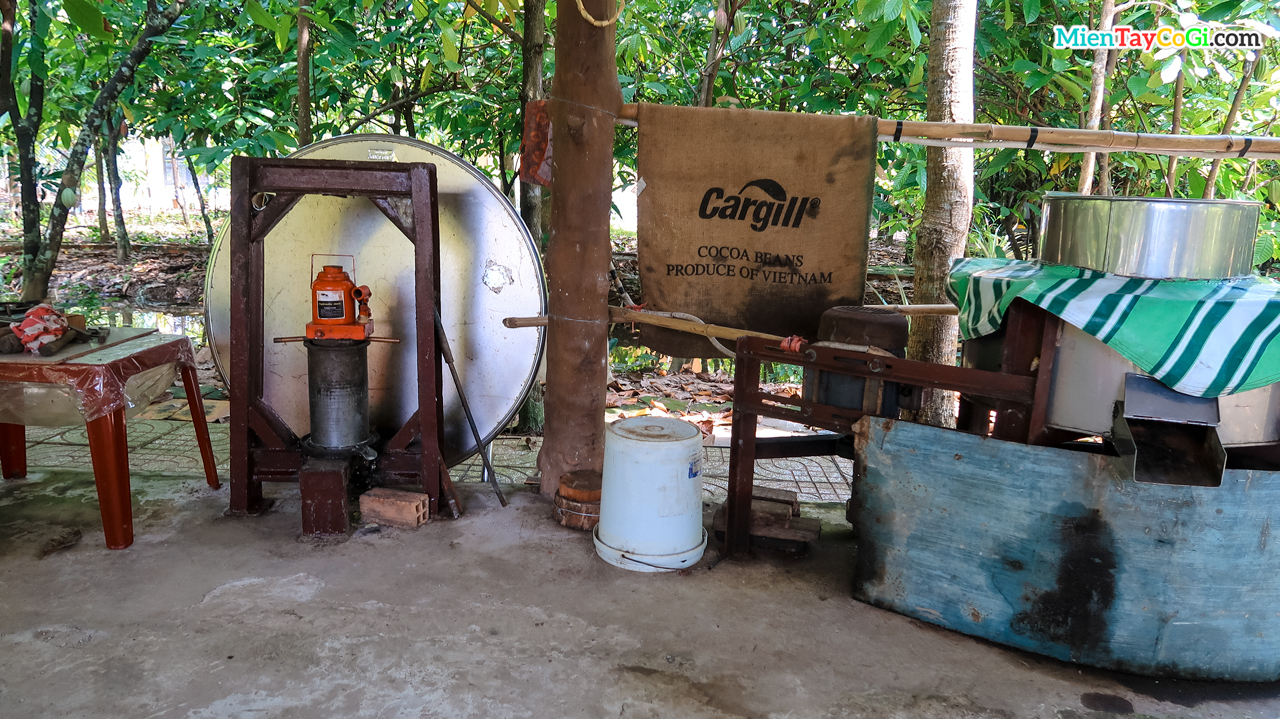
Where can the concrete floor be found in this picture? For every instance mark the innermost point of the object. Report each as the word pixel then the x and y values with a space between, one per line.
pixel 502 613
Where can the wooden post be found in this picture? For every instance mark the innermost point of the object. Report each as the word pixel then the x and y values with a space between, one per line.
pixel 585 99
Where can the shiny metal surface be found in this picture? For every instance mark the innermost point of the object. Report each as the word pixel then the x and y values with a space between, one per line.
pixel 338 393
pixel 1089 377
pixel 1153 237
pixel 489 270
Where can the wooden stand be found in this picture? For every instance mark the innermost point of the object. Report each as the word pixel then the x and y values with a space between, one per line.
pixel 263 448
pixel 1020 389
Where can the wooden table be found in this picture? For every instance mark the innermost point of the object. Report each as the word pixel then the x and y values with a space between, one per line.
pixel 97 374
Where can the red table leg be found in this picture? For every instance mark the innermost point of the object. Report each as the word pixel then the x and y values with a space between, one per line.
pixel 195 403
pixel 109 449
pixel 13 450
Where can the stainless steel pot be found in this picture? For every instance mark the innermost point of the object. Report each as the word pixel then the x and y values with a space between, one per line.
pixel 1151 237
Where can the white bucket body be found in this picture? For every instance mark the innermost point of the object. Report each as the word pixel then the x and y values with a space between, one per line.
pixel 651 496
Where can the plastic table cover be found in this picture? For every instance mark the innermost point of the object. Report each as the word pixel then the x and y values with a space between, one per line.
pixel 124 376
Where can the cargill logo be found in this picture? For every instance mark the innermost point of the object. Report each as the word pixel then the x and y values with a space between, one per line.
pixel 774 209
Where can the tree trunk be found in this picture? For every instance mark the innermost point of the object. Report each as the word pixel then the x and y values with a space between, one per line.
pixel 1212 180
pixel 532 44
pixel 304 74
pixel 1097 93
pixel 114 130
pixel 35 277
pixel 104 229
pixel 585 98
pixel 177 184
pixel 711 67
pixel 25 129
pixel 204 209
pixel 1171 177
pixel 948 202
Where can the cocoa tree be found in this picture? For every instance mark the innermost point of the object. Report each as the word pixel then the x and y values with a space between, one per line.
pixel 38 268
pixel 948 201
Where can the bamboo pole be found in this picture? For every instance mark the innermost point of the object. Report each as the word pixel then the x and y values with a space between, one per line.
pixel 1058 139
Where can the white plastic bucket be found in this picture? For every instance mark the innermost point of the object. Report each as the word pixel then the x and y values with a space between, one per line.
pixel 651 498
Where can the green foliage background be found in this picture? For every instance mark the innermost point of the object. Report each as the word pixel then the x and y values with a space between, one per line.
pixel 224 82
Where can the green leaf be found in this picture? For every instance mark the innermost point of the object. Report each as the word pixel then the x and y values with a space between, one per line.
pixel 283 26
pixel 1070 88
pixel 1002 158
pixel 1263 249
pixel 260 16
pixel 87 17
pixel 35 56
pixel 917 73
pixel 1025 65
pixel 1137 83
pixel 1008 15
pixel 1219 12
pixel 1030 10
pixel 420 9
pixel 426 75
pixel 449 44
pixel 913 29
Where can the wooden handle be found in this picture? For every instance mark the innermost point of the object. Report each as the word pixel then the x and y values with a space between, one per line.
pixel 519 322
pixel 620 315
pixel 921 309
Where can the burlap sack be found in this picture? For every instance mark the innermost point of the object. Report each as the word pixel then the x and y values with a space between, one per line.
pixel 749 219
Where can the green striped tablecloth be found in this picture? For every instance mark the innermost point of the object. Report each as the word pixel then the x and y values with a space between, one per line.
pixel 1202 338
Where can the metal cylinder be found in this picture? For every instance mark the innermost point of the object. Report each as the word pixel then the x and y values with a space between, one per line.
pixel 1150 237
pixel 338 385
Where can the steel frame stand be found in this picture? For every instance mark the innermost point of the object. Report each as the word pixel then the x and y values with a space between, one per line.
pixel 263 447
pixel 1021 390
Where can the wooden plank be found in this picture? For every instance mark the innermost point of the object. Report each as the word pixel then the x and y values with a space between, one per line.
pixel 800 529
pixel 781 496
pixel 1051 551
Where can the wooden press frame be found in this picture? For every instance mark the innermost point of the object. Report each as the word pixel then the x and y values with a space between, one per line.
pixel 263 447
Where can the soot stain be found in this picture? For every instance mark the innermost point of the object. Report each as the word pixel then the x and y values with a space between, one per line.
pixel 1100 702
pixel 1074 612
pixel 1190 693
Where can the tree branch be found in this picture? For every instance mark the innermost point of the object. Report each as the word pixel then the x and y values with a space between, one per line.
pixel 505 28
pixel 1212 179
pixel 398 102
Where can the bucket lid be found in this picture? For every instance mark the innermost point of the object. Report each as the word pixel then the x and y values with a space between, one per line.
pixel 655 429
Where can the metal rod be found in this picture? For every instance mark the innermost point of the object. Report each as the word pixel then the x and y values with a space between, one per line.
pixel 619 315
pixel 447 352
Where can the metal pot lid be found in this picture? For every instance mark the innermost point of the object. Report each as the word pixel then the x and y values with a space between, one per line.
pixel 490 269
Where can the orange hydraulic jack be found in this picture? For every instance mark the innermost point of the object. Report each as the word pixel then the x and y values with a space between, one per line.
pixel 333 307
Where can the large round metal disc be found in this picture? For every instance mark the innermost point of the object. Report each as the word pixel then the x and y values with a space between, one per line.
pixel 489 270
